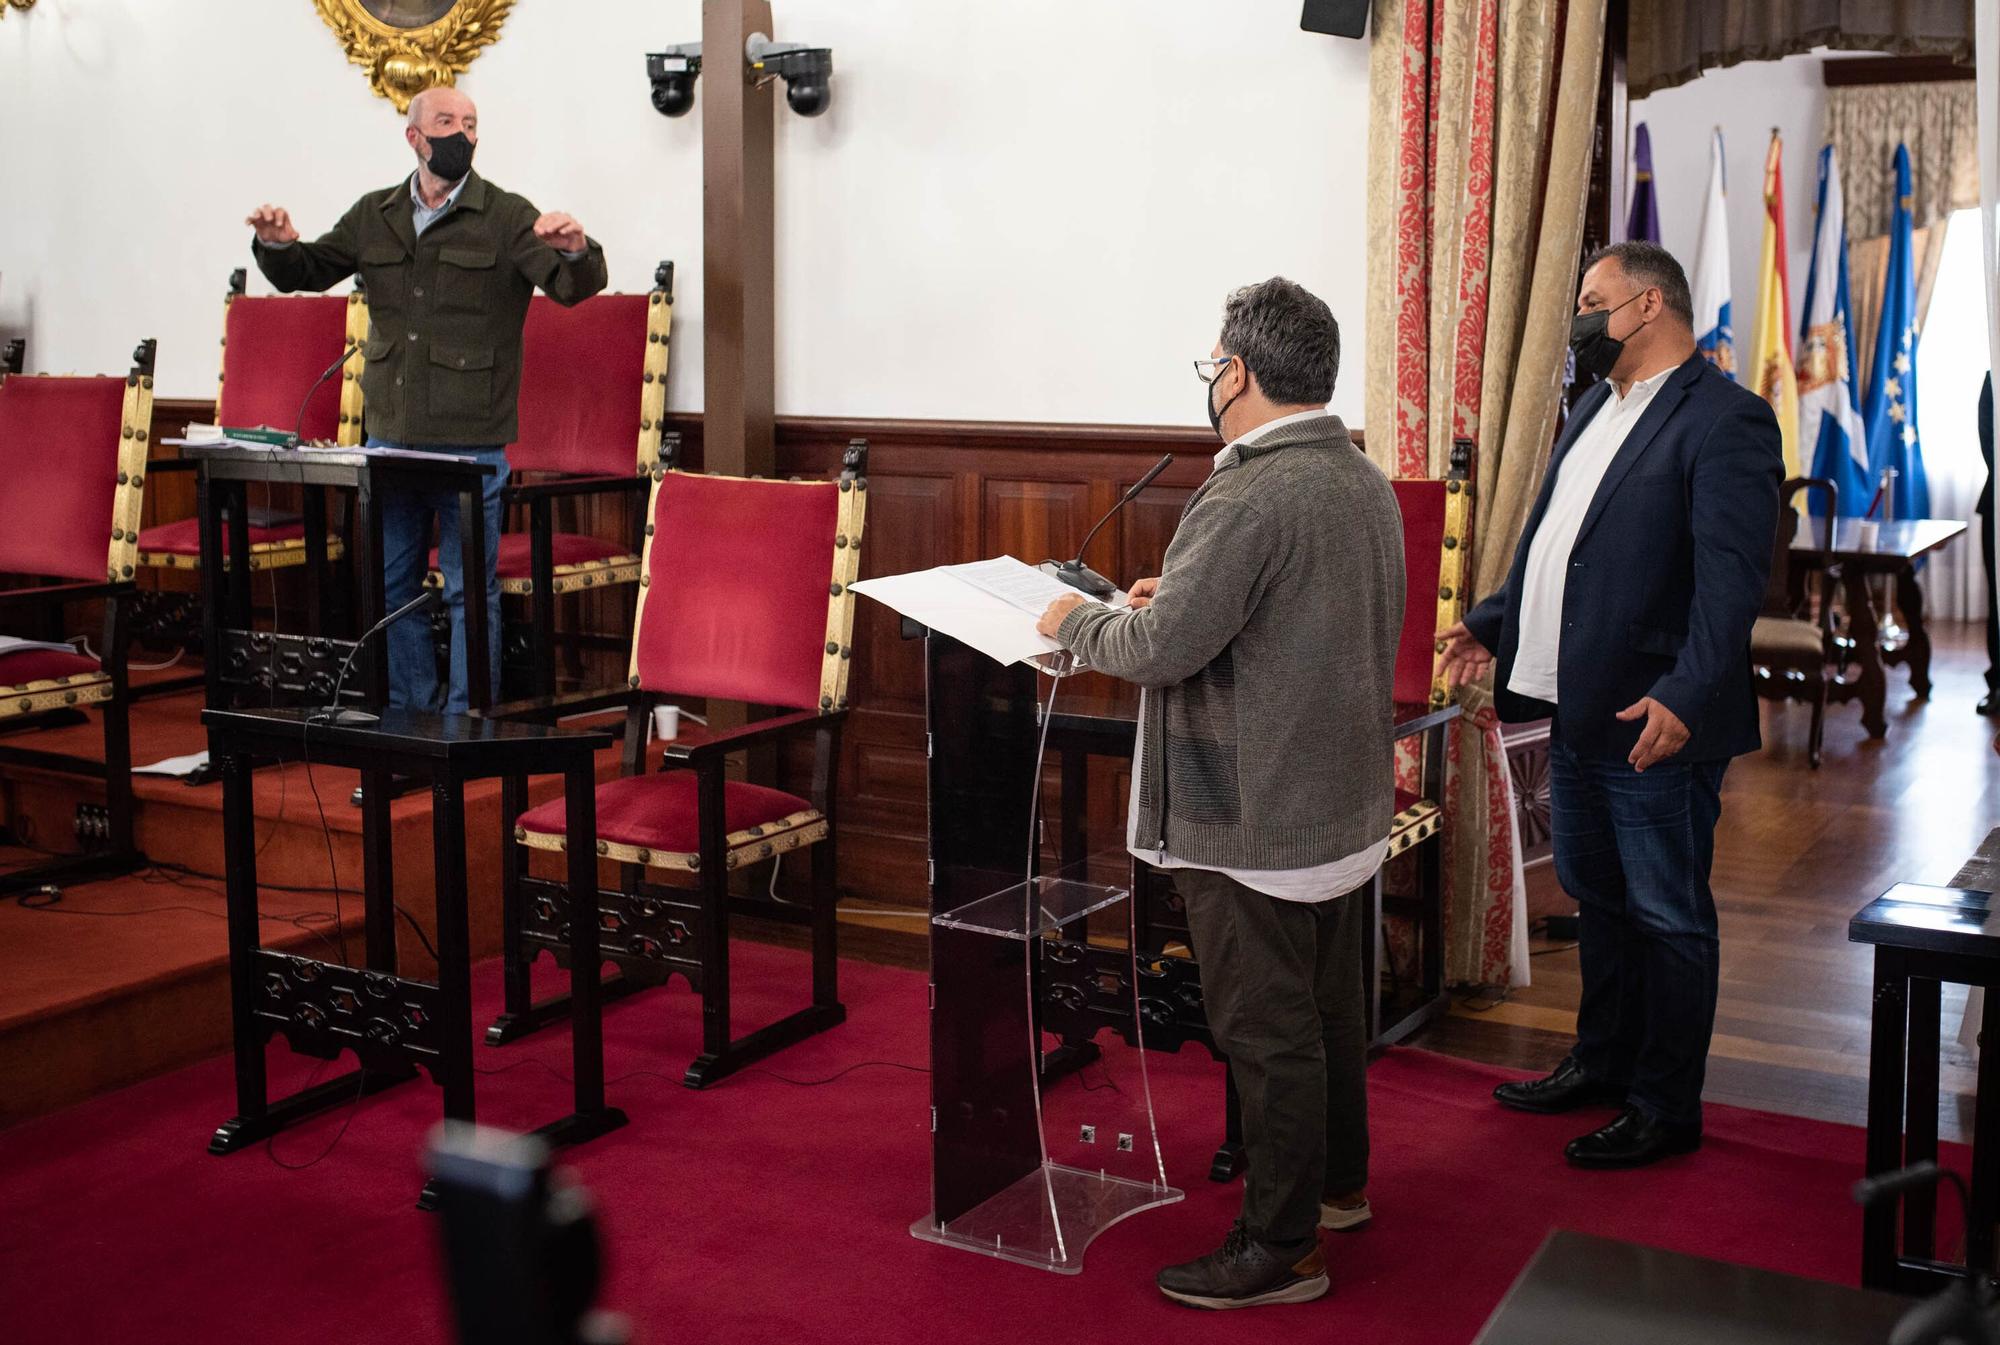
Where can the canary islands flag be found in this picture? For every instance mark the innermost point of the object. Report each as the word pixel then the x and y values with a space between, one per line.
pixel 1713 334
pixel 1830 424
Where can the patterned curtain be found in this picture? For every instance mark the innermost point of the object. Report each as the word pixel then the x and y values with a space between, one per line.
pixel 1482 114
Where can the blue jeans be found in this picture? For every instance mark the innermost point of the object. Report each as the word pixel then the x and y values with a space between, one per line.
pixel 406 544
pixel 1635 851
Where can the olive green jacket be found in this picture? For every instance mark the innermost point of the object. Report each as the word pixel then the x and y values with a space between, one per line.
pixel 445 310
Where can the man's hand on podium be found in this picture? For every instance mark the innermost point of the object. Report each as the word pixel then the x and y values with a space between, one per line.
pixel 1052 619
pixel 561 232
pixel 273 225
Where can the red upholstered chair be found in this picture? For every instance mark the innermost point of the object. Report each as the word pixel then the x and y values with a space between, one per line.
pixel 744 598
pixel 593 395
pixel 73 460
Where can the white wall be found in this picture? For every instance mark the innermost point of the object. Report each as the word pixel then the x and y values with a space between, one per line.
pixel 1746 101
pixel 1028 210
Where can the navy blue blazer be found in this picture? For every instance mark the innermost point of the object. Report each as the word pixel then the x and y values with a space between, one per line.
pixel 1667 575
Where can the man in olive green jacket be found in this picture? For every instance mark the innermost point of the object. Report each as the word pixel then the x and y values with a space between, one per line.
pixel 449 262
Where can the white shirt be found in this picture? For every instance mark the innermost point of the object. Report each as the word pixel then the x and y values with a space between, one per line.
pixel 1322 882
pixel 1543 577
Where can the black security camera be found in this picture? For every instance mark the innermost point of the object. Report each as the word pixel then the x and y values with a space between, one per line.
pixel 673 73
pixel 807 71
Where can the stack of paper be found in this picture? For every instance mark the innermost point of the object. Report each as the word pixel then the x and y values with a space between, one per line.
pixel 991 605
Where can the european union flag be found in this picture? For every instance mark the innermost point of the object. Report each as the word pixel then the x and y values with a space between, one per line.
pixel 1891 409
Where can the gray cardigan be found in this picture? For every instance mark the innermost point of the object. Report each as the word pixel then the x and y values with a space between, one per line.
pixel 1271 649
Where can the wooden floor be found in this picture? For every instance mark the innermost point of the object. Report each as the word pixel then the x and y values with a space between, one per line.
pixel 1799 851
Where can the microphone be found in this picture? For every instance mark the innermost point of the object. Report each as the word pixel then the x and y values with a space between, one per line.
pixel 1080 576
pixel 299 425
pixel 428 600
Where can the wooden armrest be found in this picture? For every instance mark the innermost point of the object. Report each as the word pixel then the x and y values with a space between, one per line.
pixel 523 491
pixel 55 593
pixel 548 709
pixel 714 746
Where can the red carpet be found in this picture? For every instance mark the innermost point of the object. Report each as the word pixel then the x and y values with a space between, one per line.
pixel 763 1211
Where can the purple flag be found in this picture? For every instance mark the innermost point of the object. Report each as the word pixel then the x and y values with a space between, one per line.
pixel 1644 224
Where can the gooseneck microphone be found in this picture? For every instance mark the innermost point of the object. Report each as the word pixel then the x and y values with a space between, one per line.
pixel 299 425
pixel 1080 576
pixel 428 600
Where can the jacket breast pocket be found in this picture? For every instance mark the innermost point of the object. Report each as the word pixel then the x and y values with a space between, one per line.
pixel 383 268
pixel 464 276
pixel 461 382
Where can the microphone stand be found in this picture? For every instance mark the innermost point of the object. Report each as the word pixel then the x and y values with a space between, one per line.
pixel 299 425
pixel 1080 576
pixel 428 600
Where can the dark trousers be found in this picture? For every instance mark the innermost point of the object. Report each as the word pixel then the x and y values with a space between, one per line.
pixel 1985 526
pixel 1281 984
pixel 1635 851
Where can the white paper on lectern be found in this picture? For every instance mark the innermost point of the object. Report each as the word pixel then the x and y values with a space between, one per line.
pixel 947 604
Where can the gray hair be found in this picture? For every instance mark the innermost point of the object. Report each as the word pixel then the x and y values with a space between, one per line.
pixel 1286 336
pixel 1652 267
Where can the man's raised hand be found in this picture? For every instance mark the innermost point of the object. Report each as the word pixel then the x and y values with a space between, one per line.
pixel 561 232
pixel 273 224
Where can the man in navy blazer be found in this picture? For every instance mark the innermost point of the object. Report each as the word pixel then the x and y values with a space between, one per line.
pixel 1625 619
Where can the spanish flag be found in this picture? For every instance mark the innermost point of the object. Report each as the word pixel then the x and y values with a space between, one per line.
pixel 1771 355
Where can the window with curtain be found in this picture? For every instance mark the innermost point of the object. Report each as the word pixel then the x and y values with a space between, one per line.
pixel 1951 363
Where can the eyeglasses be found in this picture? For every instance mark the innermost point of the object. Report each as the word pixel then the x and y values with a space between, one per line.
pixel 1210 370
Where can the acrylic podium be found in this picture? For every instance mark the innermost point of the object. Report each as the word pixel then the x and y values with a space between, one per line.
pixel 1029 1161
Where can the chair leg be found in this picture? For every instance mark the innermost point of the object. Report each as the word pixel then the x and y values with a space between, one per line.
pixel 1818 732
pixel 825 926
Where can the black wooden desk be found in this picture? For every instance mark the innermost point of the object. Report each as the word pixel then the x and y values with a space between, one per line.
pixel 301 668
pixel 1584 1290
pixel 1895 551
pixel 392 1023
pixel 1925 936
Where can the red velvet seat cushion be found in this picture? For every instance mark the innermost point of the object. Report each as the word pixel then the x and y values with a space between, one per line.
pixel 183 538
pixel 568 548
pixel 43 665
pixel 59 440
pixel 658 812
pixel 1423 504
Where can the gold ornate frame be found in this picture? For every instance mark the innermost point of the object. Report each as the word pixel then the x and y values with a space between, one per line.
pixel 403 62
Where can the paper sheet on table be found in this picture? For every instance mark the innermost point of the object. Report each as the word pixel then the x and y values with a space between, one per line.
pixel 176 767
pixel 1015 583
pixel 946 603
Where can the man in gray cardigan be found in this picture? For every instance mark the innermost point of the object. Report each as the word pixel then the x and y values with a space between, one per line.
pixel 1264 775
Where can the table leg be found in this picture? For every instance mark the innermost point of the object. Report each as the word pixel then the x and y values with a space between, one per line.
pixel 586 967
pixel 1887 1030
pixel 454 974
pixel 1916 653
pixel 1985 1146
pixel 1873 687
pixel 239 850
pixel 378 870
pixel 1920 1135
pixel 312 505
pixel 472 567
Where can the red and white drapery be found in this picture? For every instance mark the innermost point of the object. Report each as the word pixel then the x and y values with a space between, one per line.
pixel 1481 118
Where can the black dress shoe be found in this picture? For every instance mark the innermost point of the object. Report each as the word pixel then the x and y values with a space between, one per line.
pixel 1632 1141
pixel 1564 1090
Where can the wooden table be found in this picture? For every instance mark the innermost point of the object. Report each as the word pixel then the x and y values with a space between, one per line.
pixel 392 1023
pixel 1895 552
pixel 1924 936
pixel 1584 1290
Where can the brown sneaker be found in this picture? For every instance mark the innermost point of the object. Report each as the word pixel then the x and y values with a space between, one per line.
pixel 1345 1213
pixel 1246 1273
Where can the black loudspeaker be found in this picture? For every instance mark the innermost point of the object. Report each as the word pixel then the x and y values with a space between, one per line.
pixel 1342 18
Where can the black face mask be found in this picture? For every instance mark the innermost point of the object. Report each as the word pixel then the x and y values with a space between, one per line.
pixel 1590 340
pixel 1215 414
pixel 451 156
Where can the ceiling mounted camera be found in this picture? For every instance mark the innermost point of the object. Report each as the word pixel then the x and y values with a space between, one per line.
pixel 673 73
pixel 807 71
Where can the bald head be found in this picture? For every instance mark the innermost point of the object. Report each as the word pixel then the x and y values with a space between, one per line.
pixel 441 100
